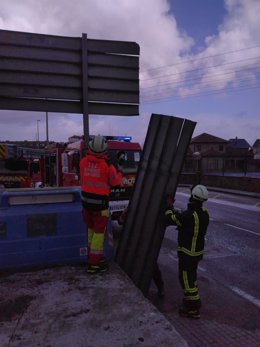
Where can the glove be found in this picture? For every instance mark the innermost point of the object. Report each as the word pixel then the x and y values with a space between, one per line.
pixel 169 202
pixel 168 217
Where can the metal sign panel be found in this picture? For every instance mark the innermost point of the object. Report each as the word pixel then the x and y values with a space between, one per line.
pixel 68 74
pixel 164 151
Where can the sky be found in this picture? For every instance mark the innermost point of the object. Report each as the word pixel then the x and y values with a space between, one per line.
pixel 199 60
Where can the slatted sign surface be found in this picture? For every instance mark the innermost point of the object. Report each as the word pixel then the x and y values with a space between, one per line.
pixel 166 144
pixel 68 74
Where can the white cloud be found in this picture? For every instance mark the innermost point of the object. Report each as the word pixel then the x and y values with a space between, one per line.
pixel 150 23
pixel 238 35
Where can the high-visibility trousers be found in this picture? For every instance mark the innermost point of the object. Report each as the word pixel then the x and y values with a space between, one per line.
pixel 96 222
pixel 188 280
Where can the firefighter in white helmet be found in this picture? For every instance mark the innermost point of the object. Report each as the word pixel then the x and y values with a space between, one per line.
pixel 192 226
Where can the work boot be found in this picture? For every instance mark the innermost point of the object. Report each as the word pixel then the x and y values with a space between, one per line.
pixel 189 313
pixel 102 266
pixel 92 269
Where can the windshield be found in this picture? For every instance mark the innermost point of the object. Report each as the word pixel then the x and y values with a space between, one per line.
pixel 131 159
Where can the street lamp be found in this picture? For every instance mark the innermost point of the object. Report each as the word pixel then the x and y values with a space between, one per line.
pixel 47 128
pixel 38 135
pixel 197 157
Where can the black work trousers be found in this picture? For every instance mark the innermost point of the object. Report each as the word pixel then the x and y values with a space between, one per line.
pixel 188 280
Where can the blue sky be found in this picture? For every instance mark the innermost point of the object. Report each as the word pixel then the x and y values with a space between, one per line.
pixel 200 60
pixel 199 18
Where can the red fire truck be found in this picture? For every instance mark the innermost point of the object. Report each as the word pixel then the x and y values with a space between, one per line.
pixel 19 167
pixel 58 165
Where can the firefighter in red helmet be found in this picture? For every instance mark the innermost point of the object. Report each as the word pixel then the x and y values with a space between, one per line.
pixel 97 176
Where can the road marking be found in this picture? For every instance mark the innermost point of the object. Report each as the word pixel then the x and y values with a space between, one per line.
pixel 246 296
pixel 249 231
pixel 202 269
pixel 217 196
pixel 219 256
pixel 230 203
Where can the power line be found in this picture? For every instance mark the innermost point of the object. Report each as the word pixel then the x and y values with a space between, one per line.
pixel 202 69
pixel 186 82
pixel 198 94
pixel 190 81
pixel 209 56
pixel 169 92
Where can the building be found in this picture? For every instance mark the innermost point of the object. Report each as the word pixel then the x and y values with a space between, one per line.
pixel 256 149
pixel 206 154
pixel 209 154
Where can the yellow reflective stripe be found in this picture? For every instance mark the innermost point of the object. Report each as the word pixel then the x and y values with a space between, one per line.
pixel 185 280
pixel 187 251
pixel 173 217
pixel 192 252
pixel 195 297
pixel 196 232
pixel 178 223
pixel 97 242
pixel 90 235
pixel 105 213
pixel 191 290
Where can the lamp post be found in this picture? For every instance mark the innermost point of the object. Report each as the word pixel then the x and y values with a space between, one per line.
pixel 47 128
pixel 197 157
pixel 38 134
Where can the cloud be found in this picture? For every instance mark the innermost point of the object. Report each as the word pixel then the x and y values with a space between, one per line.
pixel 168 66
pixel 148 22
pixel 238 37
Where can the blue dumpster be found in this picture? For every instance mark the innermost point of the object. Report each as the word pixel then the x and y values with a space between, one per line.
pixel 43 227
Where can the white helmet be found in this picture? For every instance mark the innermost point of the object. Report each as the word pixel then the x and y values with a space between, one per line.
pixel 38 185
pixel 200 193
pixel 98 144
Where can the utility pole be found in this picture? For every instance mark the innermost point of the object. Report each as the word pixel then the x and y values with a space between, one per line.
pixel 38 134
pixel 47 128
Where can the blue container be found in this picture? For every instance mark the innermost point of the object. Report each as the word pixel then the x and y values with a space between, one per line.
pixel 43 227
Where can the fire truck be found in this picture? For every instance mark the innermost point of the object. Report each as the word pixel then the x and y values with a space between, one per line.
pixel 58 166
pixel 67 167
pixel 19 167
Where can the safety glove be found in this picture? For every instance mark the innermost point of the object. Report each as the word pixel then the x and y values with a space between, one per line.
pixel 169 201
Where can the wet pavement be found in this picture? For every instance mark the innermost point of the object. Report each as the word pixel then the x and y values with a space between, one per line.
pixel 65 306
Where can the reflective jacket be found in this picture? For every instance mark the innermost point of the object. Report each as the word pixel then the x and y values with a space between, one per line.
pixel 192 226
pixel 97 176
